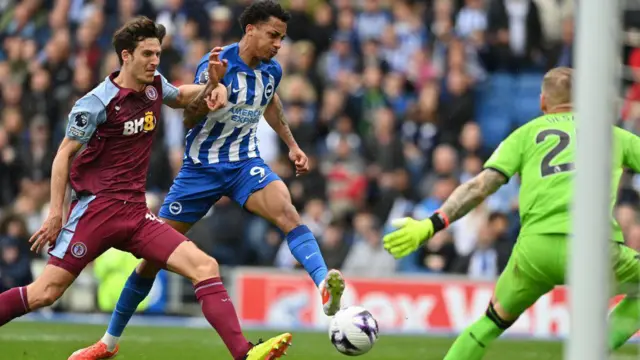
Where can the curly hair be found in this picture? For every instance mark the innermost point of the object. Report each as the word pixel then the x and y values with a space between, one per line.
pixel 261 11
pixel 134 31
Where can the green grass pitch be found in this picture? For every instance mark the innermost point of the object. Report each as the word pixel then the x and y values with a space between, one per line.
pixel 49 341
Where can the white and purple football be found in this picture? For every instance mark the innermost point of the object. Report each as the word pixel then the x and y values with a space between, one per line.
pixel 353 331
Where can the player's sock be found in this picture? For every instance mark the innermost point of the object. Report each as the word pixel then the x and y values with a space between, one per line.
pixel 135 291
pixel 624 322
pixel 220 313
pixel 473 342
pixel 305 249
pixel 110 340
pixel 13 304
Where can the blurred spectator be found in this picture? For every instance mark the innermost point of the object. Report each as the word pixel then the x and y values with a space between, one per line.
pixel 346 185
pixel 372 22
pixel 467 230
pixel 338 59
pixel 471 18
pixel 298 26
pixel 306 188
pixel 456 107
pixel 491 253
pixel 367 249
pixel 333 245
pixel 10 170
pixel 221 22
pixel 561 54
pixel 15 267
pixel 553 14
pixel 516 34
pixel 444 164
pixel 322 28
pixel 386 169
pixel 437 255
pixel 15 259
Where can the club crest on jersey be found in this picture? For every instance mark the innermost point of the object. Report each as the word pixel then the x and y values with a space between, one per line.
pixel 268 90
pixel 79 250
pixel 144 124
pixel 151 92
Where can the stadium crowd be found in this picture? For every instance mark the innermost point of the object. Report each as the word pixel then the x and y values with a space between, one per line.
pixel 395 102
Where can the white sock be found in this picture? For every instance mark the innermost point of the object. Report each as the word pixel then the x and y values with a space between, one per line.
pixel 110 340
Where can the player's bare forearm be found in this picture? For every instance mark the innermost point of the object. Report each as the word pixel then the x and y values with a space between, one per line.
pixel 472 193
pixel 60 174
pixel 197 107
pixel 274 114
pixel 186 94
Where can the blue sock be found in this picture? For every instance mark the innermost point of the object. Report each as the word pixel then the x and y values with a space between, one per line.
pixel 305 249
pixel 135 290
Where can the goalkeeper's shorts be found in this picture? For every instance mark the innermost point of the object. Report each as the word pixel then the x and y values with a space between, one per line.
pixel 539 263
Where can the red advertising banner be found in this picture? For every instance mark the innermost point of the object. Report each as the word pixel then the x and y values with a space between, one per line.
pixel 400 305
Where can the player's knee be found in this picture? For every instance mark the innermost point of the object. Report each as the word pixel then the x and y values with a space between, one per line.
pixel 499 317
pixel 288 217
pixel 206 268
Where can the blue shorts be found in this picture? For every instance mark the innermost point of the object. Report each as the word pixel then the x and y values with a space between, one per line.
pixel 197 188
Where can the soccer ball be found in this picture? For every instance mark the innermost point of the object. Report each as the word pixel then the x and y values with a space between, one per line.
pixel 353 331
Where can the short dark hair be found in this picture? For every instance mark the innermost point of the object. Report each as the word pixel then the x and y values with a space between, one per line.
pixel 261 11
pixel 134 31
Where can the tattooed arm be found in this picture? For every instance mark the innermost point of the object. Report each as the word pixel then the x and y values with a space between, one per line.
pixel 470 194
pixel 214 90
pixel 198 106
pixel 274 114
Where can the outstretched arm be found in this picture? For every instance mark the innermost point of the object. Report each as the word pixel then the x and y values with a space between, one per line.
pixel 411 234
pixel 198 107
pixel 213 95
pixel 274 114
pixel 472 193
pixel 193 99
pixel 185 95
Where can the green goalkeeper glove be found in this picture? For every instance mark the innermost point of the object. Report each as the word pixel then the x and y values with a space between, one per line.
pixel 408 237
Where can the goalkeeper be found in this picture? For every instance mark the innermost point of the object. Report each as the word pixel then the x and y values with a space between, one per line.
pixel 543 153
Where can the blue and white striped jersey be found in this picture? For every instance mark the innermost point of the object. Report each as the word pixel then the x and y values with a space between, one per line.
pixel 229 134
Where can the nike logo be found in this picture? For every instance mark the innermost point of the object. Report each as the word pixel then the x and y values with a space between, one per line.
pixel 235 91
pixel 309 256
pixel 225 300
pixel 261 180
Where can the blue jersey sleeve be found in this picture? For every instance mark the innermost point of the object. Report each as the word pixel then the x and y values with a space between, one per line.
pixel 202 75
pixel 169 92
pixel 277 74
pixel 87 113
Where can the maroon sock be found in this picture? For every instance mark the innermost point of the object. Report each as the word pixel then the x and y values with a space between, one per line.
pixel 13 304
pixel 220 313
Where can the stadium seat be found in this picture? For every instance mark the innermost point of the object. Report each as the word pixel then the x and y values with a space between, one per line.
pixel 495 124
pixel 525 104
pixel 502 83
pixel 525 108
pixel 528 82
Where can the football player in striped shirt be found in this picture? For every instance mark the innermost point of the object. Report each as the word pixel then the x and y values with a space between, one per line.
pixel 222 159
